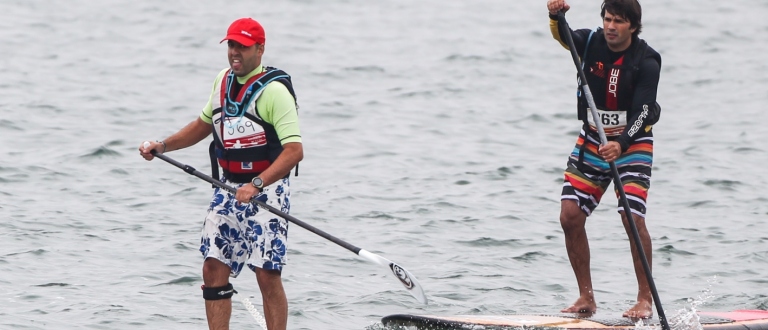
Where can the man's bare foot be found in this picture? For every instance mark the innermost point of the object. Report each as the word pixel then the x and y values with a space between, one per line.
pixel 582 305
pixel 641 310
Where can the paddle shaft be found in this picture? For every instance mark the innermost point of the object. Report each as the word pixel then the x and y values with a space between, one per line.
pixel 616 178
pixel 404 276
pixel 191 170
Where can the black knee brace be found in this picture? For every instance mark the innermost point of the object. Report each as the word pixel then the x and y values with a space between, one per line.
pixel 222 292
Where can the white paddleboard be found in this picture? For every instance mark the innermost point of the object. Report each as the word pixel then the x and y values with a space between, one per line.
pixel 735 320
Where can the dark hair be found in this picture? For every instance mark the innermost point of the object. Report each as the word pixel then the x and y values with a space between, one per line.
pixel 628 9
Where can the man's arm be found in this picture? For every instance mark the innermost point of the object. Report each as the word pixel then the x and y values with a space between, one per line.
pixel 643 103
pixel 280 111
pixel 194 132
pixel 293 152
pixel 191 134
pixel 579 36
pixel 282 114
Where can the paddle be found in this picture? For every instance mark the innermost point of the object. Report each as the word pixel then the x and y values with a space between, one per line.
pixel 404 276
pixel 614 170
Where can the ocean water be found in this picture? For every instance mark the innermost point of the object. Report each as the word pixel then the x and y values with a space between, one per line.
pixel 435 135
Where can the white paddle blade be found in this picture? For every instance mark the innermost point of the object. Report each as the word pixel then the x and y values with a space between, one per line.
pixel 405 277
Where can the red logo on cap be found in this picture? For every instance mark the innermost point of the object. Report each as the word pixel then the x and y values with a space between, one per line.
pixel 245 31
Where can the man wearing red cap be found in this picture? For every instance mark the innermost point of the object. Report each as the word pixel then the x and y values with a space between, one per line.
pixel 256 141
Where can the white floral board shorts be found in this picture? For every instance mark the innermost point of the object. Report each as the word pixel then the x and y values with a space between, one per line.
pixel 238 234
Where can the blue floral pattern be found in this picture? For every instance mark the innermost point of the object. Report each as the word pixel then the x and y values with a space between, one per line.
pixel 238 234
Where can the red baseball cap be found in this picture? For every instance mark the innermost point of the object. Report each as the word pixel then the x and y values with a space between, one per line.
pixel 245 31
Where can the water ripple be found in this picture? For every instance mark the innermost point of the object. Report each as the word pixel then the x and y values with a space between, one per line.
pixel 436 137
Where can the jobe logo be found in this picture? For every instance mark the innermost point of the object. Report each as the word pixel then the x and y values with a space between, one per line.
pixel 613 81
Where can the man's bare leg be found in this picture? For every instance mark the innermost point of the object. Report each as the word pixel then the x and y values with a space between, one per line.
pixel 273 298
pixel 573 220
pixel 644 306
pixel 216 274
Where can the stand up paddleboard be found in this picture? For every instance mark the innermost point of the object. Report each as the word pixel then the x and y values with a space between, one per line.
pixel 736 320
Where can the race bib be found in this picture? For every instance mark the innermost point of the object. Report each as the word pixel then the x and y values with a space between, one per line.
pixel 241 132
pixel 613 121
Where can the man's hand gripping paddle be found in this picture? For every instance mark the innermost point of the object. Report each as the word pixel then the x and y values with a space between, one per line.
pixel 405 277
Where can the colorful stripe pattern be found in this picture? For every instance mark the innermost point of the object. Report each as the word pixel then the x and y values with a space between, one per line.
pixel 588 175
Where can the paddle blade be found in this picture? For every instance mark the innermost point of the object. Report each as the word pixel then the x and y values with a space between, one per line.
pixel 405 277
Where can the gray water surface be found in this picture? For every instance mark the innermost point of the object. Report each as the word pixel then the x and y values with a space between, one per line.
pixel 435 135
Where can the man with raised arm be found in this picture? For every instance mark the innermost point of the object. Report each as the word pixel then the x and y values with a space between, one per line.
pixel 623 75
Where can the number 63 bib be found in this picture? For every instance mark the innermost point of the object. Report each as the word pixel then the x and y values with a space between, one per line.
pixel 613 121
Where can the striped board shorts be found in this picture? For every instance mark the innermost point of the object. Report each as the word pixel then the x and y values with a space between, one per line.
pixel 238 234
pixel 588 175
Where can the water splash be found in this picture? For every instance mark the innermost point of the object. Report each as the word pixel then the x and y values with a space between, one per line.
pixel 687 318
pixel 641 325
pixel 379 326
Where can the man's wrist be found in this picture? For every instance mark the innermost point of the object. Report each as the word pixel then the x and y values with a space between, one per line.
pixel 257 183
pixel 623 144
